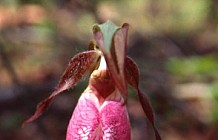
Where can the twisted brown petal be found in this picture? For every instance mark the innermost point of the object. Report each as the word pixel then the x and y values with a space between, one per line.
pixel 74 72
pixel 132 77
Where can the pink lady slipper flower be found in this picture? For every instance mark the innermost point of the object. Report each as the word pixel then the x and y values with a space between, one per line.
pixel 101 110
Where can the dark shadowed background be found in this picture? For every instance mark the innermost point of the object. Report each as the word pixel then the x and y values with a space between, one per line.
pixel 175 44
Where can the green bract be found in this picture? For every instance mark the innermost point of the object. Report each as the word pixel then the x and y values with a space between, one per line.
pixel 108 30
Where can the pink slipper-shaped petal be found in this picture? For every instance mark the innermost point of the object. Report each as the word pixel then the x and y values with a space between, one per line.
pixel 93 121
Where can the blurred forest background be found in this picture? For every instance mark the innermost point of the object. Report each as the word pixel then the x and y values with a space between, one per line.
pixel 175 44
